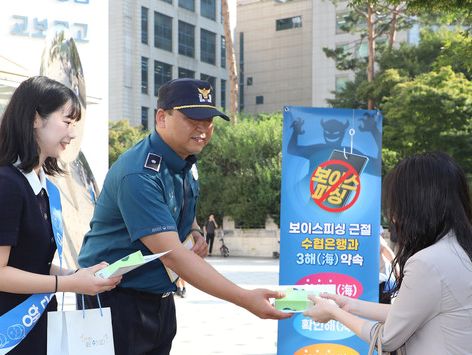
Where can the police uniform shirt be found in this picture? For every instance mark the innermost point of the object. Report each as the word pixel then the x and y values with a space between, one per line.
pixel 25 226
pixel 143 194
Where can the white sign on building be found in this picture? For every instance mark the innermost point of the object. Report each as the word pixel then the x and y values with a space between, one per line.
pixel 24 26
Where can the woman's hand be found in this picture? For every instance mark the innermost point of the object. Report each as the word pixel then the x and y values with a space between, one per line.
pixel 85 282
pixel 322 310
pixel 343 302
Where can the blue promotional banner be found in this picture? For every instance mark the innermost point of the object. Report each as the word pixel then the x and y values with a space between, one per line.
pixel 330 218
pixel 18 322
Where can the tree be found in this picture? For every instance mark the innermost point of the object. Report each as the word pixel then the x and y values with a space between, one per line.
pixel 372 19
pixel 435 49
pixel 431 112
pixel 230 62
pixel 240 171
pixel 121 137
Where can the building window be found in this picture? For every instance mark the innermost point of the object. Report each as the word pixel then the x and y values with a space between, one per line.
pixel 144 117
pixel 212 81
pixel 341 81
pixel 208 9
pixel 249 81
pixel 162 31
pixel 362 49
pixel 186 73
pixel 343 17
pixel 241 71
pixel 223 94
pixel 207 46
pixel 162 74
pixel 187 4
pixel 223 52
pixel 144 25
pixel 355 50
pixel 186 39
pixel 144 75
pixel 168 1
pixel 259 100
pixel 341 21
pixel 288 23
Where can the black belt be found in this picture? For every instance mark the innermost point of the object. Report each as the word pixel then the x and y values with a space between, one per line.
pixel 142 294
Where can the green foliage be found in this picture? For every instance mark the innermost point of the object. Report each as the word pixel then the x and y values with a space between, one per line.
pixel 451 11
pixel 240 171
pixel 456 52
pixel 431 112
pixel 387 15
pixel 121 137
pixel 424 93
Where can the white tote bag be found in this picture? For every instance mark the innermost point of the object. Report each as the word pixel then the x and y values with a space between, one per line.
pixel 80 332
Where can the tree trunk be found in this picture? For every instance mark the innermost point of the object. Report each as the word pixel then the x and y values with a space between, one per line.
pixel 230 63
pixel 371 43
pixel 393 28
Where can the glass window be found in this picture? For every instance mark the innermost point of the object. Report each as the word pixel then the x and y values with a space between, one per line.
pixel 168 1
pixel 249 81
pixel 186 39
pixel 223 94
pixel 144 116
pixel 144 25
pixel 363 49
pixel 341 81
pixel 259 100
pixel 288 23
pixel 144 75
pixel 208 9
pixel 162 74
pixel 187 4
pixel 354 49
pixel 207 46
pixel 212 81
pixel 223 52
pixel 162 31
pixel 341 21
pixel 241 71
pixel 186 73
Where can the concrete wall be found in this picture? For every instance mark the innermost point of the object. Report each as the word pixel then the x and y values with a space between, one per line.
pixel 261 242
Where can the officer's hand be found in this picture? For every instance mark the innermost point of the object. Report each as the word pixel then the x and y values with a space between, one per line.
pixel 257 302
pixel 200 247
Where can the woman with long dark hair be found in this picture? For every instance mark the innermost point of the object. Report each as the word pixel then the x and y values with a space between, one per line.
pixel 36 127
pixel 427 202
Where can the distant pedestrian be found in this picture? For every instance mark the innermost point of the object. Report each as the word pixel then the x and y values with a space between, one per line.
pixel 181 290
pixel 209 229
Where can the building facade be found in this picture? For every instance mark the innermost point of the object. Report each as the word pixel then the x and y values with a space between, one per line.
pixel 152 42
pixel 25 26
pixel 279 47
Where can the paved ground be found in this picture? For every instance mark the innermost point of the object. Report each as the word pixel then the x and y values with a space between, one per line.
pixel 207 325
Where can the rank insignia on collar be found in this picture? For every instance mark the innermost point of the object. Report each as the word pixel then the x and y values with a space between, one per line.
pixel 153 162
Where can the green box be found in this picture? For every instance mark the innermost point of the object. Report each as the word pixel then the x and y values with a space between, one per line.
pixel 295 300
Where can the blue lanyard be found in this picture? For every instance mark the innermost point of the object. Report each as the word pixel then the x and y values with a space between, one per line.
pixel 17 322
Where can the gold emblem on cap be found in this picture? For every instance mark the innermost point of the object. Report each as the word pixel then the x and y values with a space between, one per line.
pixel 204 92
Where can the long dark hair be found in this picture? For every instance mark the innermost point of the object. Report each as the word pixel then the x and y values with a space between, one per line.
pixel 40 95
pixel 424 197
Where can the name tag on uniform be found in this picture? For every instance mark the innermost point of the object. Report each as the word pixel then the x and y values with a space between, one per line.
pixel 153 162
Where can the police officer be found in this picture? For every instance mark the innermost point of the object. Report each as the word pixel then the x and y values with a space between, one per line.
pixel 148 203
